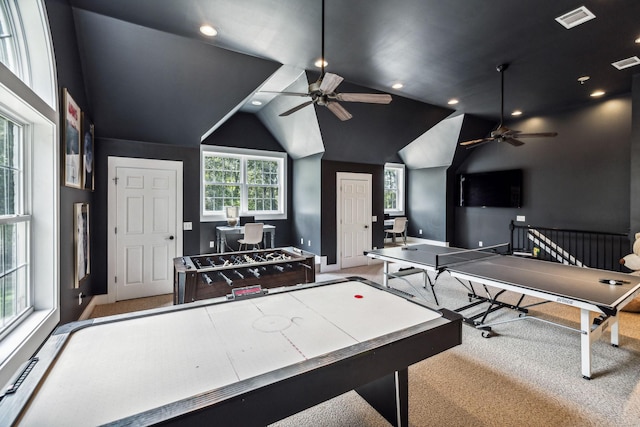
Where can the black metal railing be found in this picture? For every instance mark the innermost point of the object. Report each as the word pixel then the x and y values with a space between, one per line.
pixel 595 249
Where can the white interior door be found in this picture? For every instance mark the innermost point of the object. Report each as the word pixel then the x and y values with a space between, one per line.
pixel 146 235
pixel 354 218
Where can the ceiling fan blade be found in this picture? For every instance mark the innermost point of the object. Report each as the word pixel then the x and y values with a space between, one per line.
pixel 330 82
pixel 294 109
pixel 371 98
pixel 476 141
pixel 284 93
pixel 338 110
pixel 537 135
pixel 513 141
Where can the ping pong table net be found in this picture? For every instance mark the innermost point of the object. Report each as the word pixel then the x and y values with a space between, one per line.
pixel 461 256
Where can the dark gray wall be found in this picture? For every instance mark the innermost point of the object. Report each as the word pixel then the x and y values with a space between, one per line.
pixel 376 133
pixel 426 206
pixel 329 226
pixel 307 196
pixel 70 76
pixel 578 180
pixel 147 85
pixel 634 195
pixel 431 192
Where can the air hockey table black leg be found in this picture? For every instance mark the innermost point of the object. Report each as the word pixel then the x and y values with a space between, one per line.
pixel 389 395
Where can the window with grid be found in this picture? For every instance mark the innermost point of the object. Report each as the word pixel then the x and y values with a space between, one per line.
pixel 251 180
pixel 29 180
pixel 14 227
pixel 394 188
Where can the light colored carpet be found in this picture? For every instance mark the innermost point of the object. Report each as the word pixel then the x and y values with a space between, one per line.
pixel 127 306
pixel 527 375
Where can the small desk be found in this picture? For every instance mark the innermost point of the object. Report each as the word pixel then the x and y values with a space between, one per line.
pixel 247 362
pixel 223 230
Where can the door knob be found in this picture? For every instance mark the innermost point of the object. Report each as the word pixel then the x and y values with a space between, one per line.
pixel 171 237
pixel 366 226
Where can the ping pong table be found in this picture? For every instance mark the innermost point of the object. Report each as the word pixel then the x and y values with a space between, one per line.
pixel 599 294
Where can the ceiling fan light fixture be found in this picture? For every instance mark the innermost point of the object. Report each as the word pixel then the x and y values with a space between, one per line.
pixel 208 30
pixel 583 79
pixel 319 63
pixel 452 101
pixel 597 93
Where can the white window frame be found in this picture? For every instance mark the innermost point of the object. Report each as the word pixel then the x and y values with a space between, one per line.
pixel 245 154
pixel 34 107
pixel 400 170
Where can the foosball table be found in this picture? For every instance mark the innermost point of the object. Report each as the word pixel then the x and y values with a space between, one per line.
pixel 218 275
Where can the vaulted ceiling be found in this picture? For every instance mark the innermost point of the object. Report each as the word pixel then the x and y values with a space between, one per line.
pixel 438 50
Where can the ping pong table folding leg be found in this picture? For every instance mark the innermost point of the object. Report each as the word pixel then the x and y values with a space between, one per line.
pixel 585 343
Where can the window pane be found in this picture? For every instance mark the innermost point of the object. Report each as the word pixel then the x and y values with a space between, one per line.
pixel 13 272
pixel 9 168
pixel 8 51
pixel 248 181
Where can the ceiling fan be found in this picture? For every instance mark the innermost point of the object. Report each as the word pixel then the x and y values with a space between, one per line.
pixel 502 133
pixel 322 91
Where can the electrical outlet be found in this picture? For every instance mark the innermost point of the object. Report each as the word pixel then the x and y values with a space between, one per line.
pixel 80 298
pixel 212 244
pixel 420 231
pixel 309 243
pixel 520 218
pixel 187 226
pixel 480 243
pixel 302 240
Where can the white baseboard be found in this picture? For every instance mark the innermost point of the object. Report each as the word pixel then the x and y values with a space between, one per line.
pixel 95 300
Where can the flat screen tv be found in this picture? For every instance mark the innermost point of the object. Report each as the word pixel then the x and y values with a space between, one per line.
pixel 501 189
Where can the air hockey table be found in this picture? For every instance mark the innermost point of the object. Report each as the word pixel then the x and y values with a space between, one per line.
pixel 251 360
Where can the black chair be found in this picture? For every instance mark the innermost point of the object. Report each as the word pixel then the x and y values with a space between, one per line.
pixel 246 219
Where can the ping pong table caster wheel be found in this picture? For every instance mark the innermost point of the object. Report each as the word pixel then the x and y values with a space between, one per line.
pixel 586 377
pixel 486 334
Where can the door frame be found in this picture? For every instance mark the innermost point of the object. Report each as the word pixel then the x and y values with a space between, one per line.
pixel 353 176
pixel 115 162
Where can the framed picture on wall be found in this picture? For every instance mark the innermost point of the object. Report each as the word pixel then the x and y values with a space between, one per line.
pixel 71 139
pixel 81 238
pixel 87 153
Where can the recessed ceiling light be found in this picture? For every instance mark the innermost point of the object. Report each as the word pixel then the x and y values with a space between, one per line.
pixel 517 113
pixel 638 40
pixel 208 30
pixel 452 101
pixel 583 79
pixel 597 93
pixel 319 62
pixel 397 86
pixel 256 102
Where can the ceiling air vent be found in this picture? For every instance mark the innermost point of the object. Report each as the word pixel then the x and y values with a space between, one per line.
pixel 626 63
pixel 575 17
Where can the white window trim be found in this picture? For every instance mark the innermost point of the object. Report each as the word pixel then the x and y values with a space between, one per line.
pixel 246 153
pixel 401 188
pixel 38 111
